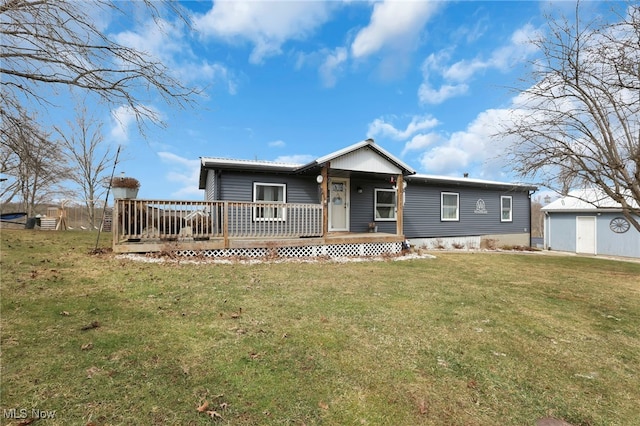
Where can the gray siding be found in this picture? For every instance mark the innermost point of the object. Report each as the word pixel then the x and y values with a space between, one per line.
pixel 362 205
pixel 238 186
pixel 421 209
pixel 422 212
pixel 561 234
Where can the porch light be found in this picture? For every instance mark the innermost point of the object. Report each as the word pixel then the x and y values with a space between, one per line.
pixel 359 189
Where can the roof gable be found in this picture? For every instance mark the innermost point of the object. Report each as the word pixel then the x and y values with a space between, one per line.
pixel 364 156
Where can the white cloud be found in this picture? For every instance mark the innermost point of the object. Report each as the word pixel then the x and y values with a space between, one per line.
pixel 267 25
pixel 429 95
pixel 184 172
pixel 158 38
pixel 277 144
pixel 475 147
pixel 380 127
pixel 295 159
pixel 394 25
pixel 332 64
pixel 420 142
pixel 123 118
pixel 169 44
pixel 455 78
pixel 445 160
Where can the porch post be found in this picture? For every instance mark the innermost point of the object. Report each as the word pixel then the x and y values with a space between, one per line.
pixel 225 223
pixel 324 197
pixel 400 202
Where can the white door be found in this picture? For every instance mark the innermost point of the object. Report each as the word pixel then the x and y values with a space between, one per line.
pixel 586 234
pixel 338 204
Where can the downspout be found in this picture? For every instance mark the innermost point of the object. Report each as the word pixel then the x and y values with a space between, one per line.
pixel 530 220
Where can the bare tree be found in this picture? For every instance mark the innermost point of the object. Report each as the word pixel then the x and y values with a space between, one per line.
pixel 59 43
pixel 89 157
pixel 579 121
pixel 34 165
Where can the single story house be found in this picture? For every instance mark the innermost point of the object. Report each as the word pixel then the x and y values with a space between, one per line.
pixel 589 222
pixel 360 200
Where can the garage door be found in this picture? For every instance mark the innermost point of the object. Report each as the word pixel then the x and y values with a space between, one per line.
pixel 586 234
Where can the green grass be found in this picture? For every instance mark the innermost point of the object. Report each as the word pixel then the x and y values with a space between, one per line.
pixel 463 339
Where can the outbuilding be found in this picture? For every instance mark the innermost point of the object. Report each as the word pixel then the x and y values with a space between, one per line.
pixel 589 222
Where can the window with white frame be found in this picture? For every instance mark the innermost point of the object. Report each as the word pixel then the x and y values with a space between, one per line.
pixel 506 208
pixel 269 195
pixel 385 204
pixel 449 206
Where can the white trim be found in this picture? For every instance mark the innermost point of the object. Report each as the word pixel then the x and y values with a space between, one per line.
pixel 457 218
pixel 281 217
pixel 510 198
pixel 347 201
pixel 375 205
pixel 361 144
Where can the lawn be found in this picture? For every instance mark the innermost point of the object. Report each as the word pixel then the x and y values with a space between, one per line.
pixel 463 339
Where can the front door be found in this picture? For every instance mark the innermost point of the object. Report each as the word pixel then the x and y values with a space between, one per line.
pixel 338 204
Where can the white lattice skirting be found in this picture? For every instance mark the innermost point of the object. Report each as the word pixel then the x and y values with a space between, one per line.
pixel 331 251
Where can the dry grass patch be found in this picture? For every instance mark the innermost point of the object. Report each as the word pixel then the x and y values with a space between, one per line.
pixel 473 339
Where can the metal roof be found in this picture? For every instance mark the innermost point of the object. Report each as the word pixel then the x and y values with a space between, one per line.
pixel 370 143
pixel 230 163
pixel 587 199
pixel 480 183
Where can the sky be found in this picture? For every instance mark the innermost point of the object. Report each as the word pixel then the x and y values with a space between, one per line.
pixel 291 81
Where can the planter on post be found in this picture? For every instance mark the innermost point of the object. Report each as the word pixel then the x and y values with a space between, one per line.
pixel 125 187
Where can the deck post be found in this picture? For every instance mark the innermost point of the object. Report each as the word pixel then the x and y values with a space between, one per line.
pixel 400 203
pixel 325 207
pixel 115 223
pixel 225 223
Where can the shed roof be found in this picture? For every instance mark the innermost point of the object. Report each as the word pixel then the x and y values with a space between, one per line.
pixel 586 199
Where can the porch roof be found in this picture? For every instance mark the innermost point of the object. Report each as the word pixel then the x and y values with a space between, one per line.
pixel 207 163
pixel 368 143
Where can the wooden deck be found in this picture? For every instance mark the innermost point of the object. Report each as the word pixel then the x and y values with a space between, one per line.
pixel 189 243
pixel 145 226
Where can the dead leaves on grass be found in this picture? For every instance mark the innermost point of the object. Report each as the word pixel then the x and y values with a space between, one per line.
pixel 205 408
pixel 94 324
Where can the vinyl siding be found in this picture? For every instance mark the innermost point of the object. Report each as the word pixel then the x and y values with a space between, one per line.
pixel 422 212
pixel 362 205
pixel 238 186
pixel 421 209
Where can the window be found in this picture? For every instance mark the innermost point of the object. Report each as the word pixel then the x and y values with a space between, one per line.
pixel 506 209
pixel 385 204
pixel 269 193
pixel 449 202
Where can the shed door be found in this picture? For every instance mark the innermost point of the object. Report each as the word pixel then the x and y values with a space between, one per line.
pixel 586 234
pixel 339 204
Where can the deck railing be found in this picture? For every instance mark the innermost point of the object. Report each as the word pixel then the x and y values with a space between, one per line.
pixel 152 220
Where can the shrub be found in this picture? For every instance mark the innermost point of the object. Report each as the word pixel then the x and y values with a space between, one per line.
pixel 125 182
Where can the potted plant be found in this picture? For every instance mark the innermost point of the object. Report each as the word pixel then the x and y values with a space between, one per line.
pixel 125 187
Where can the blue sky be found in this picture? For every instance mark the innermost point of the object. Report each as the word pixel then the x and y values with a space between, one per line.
pixel 294 80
